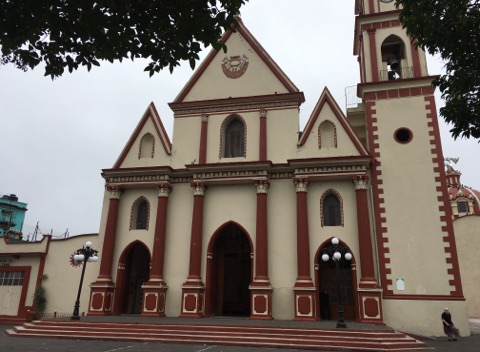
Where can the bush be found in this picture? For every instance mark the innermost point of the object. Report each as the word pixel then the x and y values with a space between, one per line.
pixel 40 299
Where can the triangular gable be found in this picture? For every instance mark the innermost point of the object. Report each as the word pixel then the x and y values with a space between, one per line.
pixel 150 116
pixel 282 79
pixel 338 119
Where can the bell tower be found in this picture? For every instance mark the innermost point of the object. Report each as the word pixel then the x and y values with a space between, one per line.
pixel 384 50
pixel 412 232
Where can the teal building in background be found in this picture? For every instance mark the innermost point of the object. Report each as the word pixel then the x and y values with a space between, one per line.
pixel 12 216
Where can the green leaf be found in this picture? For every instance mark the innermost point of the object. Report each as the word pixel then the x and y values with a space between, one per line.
pixel 164 31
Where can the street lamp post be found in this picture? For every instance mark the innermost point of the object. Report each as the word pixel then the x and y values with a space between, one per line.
pixel 334 252
pixel 84 254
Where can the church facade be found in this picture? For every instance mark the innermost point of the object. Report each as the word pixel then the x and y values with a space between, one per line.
pixel 233 217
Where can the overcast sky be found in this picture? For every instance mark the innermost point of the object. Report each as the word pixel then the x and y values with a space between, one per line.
pixel 58 135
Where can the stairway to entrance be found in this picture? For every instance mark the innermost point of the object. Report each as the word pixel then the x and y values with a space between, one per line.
pixel 218 334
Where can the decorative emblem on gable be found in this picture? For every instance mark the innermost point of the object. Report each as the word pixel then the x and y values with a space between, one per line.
pixel 235 66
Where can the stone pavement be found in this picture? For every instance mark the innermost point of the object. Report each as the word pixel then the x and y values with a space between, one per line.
pixel 464 344
pixel 14 344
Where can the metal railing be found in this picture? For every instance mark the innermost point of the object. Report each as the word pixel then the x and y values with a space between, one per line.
pixel 401 73
pixel 351 99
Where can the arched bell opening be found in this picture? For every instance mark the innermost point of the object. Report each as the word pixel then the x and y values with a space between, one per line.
pixel 394 60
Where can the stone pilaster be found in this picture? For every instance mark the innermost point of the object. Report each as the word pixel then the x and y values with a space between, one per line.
pixel 304 290
pixel 263 135
pixel 369 292
pixel 102 290
pixel 193 290
pixel 261 290
pixel 202 157
pixel 155 290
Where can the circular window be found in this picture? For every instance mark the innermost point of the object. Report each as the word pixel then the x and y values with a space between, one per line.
pixel 403 135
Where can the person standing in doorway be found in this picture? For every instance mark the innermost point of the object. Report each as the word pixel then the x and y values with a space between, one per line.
pixel 324 305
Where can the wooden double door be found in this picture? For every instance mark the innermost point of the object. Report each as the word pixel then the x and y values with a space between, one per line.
pixel 232 274
pixel 137 270
pixel 328 282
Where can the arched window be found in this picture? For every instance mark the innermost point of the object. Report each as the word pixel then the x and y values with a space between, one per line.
pixel 140 214
pixel 331 209
pixel 234 137
pixel 327 135
pixel 147 146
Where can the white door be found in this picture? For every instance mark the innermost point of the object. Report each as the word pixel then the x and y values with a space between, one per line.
pixel 11 283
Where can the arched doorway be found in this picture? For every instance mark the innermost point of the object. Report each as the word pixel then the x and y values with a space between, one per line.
pixel 230 272
pixel 136 271
pixel 328 288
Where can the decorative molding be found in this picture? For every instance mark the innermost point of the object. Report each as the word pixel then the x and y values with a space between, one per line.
pixel 198 188
pixel 320 135
pixel 339 197
pixel 444 209
pixel 115 192
pixel 134 213
pixel 223 129
pixel 389 92
pixel 137 179
pixel 301 184
pixel 164 189
pixel 379 211
pixel 328 169
pixel 234 108
pixel 360 182
pixel 262 186
pixel 235 66
pixel 372 27
pixel 281 175
pixel 182 179
pixel 233 174
pixel 152 152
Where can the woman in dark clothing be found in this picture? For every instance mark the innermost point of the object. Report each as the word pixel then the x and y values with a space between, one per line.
pixel 448 327
pixel 324 305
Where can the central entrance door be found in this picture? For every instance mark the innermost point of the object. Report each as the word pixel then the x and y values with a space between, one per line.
pixel 137 270
pixel 232 273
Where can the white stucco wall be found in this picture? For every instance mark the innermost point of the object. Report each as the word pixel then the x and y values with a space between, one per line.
pixel 257 80
pixel 412 219
pixel 467 238
pixel 63 281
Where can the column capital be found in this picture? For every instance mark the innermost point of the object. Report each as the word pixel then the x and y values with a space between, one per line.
pixel 164 189
pixel 263 113
pixel 204 118
pixel 360 182
pixel 371 30
pixel 262 186
pixel 198 188
pixel 301 184
pixel 115 191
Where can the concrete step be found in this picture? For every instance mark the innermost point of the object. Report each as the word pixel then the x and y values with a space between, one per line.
pixel 261 336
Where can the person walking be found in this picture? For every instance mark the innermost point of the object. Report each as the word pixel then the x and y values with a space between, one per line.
pixel 448 326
